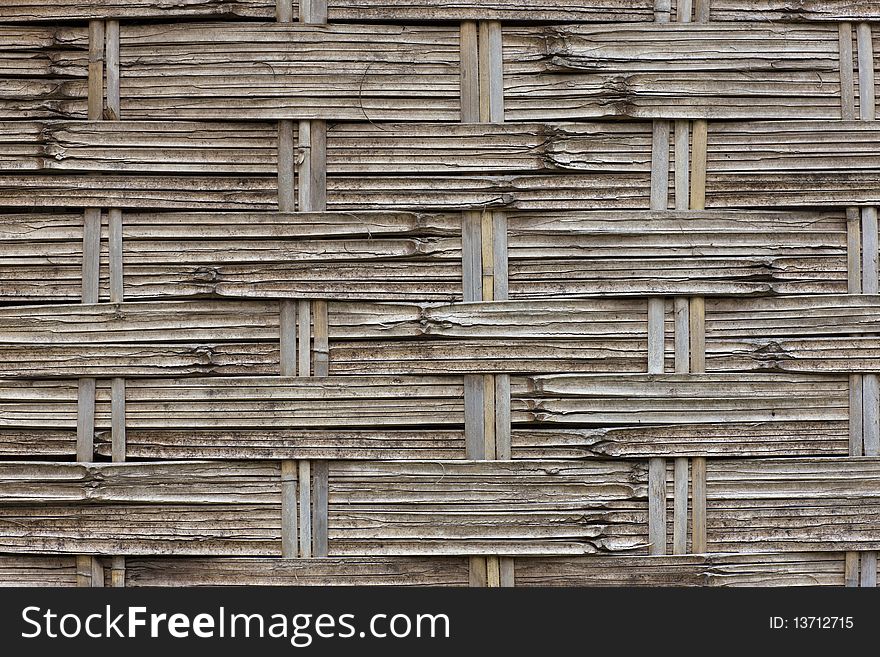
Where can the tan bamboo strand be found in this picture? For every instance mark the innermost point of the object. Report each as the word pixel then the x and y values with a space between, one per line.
pixel 304 487
pixel 657 506
pixel 680 506
pixel 96 70
pixel 698 512
pixel 112 54
pixel 289 514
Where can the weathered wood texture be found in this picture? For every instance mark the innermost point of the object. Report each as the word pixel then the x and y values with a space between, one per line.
pixel 397 290
pixel 255 418
pixel 204 165
pixel 741 70
pixel 369 72
pixel 162 508
pixel 168 338
pixel 585 253
pixel 585 416
pixel 487 507
pixel 793 504
pixel 354 418
pixel 526 166
pixel 767 569
pixel 547 336
pixel 824 333
pixel 223 338
pixel 439 10
pixel 333 571
pixel 43 71
pixel 398 256
pixel 369 255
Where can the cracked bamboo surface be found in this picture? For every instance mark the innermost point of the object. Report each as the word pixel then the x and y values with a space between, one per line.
pixel 409 292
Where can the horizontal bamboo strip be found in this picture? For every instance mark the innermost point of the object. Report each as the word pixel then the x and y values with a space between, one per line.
pixel 249 70
pixel 179 508
pixel 333 571
pixel 741 70
pixel 801 163
pixel 793 504
pixel 256 418
pixel 700 252
pixel 233 338
pixel 437 10
pixel 43 70
pixel 546 336
pixel 27 570
pixel 680 415
pixel 825 333
pixel 406 166
pixel 761 569
pixel 484 507
pixel 401 255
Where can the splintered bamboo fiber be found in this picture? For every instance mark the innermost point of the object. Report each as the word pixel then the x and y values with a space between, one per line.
pixel 410 292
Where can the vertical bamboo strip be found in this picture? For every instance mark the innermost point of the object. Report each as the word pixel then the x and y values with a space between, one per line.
pixel 662 11
pixel 697 330
pixel 856 415
pixel 698 509
pixel 491 72
pixel 287 327
pixel 305 508
pixel 314 176
pixel 684 9
pixel 493 572
pixel 847 82
pixel 870 246
pixel 489 451
pixel 698 165
pixel 478 576
pixel 854 251
pixel 91 255
pixel 657 506
pixel 851 569
pixel 112 55
pixel 682 164
pixel 115 247
pixel 487 255
pixel 656 335
pixel 660 166
pixel 701 11
pixel 289 538
pixel 97 568
pixel 320 508
pixel 503 448
pixel 117 572
pixel 83 570
pixel 85 422
pixel 868 569
pixel 474 430
pixel 871 414
pixel 680 506
pixel 286 167
pixel 313 11
pixel 499 257
pixel 284 11
pixel 321 345
pixel 304 321
pixel 470 77
pixel 117 414
pixel 508 573
pixel 682 335
pixel 867 101
pixel 96 70
pixel 472 265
